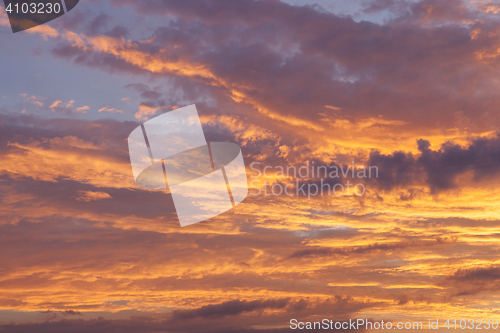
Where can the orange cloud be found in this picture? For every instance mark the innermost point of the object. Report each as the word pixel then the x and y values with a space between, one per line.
pixel 108 109
pixel 92 196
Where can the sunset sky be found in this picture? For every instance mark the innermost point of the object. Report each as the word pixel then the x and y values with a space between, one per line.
pixel 411 87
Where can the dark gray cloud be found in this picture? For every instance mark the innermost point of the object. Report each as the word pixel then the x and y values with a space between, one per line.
pixel 401 70
pixel 98 24
pixel 477 274
pixel 440 168
pixel 386 247
pixel 231 308
pixel 132 326
pixel 473 281
pixel 72 313
pixel 395 170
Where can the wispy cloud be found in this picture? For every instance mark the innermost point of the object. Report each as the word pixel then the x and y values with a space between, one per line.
pixel 415 96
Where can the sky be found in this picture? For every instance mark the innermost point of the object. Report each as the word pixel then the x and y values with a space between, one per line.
pixel 408 87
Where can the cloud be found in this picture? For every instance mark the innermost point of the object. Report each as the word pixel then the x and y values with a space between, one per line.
pixel 82 109
pixel 361 249
pixel 55 104
pixel 440 168
pixel 230 308
pixel 415 96
pixel 92 196
pixel 108 109
pixel 366 79
pixel 72 312
pixel 68 108
pixel 45 31
pixel 35 100
pixel 4 19
pixel 474 280
pixel 134 325
pixel 477 274
pixel 145 112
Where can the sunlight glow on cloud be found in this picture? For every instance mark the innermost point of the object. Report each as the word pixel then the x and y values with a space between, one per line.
pixel 417 96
